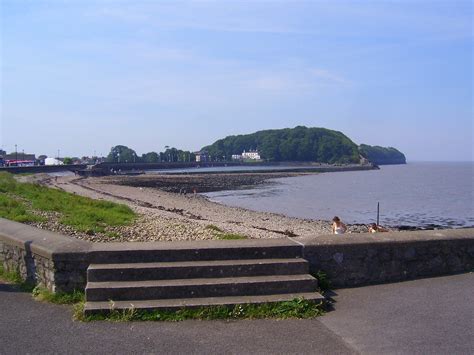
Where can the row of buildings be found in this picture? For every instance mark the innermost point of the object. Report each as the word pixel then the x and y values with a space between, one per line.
pixel 204 156
pixel 17 159
pixel 25 159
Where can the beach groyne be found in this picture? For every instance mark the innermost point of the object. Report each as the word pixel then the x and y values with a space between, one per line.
pixel 59 262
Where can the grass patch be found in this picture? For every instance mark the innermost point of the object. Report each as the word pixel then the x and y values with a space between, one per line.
pixel 14 277
pixel 220 234
pixel 297 308
pixel 323 281
pixel 43 294
pixel 81 213
pixel 16 211
pixel 214 228
pixel 231 236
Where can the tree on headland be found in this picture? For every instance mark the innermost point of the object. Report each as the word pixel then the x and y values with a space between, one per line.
pixel 290 144
pixel 174 155
pixel 122 154
pixel 381 155
pixel 151 157
pixel 67 161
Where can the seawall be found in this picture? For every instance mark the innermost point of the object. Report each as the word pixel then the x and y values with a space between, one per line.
pixel 41 169
pixel 60 262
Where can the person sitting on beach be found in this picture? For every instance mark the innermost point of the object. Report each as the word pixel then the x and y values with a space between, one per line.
pixel 337 226
pixel 374 228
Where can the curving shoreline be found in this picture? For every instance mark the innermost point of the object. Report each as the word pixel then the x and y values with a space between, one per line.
pixel 168 216
pixel 167 209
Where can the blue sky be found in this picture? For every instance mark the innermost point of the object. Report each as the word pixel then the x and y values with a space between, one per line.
pixel 83 76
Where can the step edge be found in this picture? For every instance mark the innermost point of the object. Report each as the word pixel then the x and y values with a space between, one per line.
pixel 201 301
pixel 197 281
pixel 95 266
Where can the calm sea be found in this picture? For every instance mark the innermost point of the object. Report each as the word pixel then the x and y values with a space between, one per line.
pixel 415 194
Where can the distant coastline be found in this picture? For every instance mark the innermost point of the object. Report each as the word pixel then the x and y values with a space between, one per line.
pixel 224 179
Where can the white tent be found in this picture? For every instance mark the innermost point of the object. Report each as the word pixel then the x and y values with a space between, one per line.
pixel 53 161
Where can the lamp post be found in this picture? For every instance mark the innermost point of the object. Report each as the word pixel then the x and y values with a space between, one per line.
pixel 16 155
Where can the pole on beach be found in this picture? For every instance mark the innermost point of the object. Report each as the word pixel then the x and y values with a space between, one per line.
pixel 378 212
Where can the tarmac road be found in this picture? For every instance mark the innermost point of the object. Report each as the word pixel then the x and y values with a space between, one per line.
pixel 430 316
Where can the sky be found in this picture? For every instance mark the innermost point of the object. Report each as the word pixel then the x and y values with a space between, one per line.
pixel 78 77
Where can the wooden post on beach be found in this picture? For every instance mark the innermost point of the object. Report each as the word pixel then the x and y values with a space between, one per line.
pixel 378 212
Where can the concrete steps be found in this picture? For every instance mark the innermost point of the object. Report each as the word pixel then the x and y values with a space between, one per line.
pixel 183 276
pixel 136 252
pixel 195 269
pixel 206 287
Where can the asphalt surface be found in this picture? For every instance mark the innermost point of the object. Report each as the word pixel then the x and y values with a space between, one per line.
pixel 430 316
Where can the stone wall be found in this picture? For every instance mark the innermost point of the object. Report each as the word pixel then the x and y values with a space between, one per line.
pixel 32 268
pixel 60 263
pixel 43 258
pixel 356 260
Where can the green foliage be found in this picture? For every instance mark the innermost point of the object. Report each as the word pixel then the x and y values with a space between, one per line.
pixel 15 278
pixel 220 234
pixel 323 281
pixel 10 276
pixel 297 308
pixel 214 228
pixel 7 182
pixel 82 213
pixel 122 154
pixel 231 236
pixel 290 144
pixel 174 155
pixel 151 157
pixel 14 210
pixel 43 294
pixel 67 161
pixel 380 155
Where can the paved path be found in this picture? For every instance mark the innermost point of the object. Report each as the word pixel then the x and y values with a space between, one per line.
pixel 429 316
pixel 424 316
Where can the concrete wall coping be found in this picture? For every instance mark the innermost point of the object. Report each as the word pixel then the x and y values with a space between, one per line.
pixel 42 242
pixel 464 234
pixel 198 244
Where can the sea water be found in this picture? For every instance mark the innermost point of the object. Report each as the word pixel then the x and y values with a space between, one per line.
pixel 415 194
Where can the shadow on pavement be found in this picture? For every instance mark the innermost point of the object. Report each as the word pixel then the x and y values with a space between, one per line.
pixel 4 287
pixel 330 301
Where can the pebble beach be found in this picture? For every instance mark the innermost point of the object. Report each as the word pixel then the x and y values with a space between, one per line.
pixel 171 216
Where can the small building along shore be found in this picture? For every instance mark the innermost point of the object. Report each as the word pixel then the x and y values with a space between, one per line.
pixel 17 159
pixel 250 155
